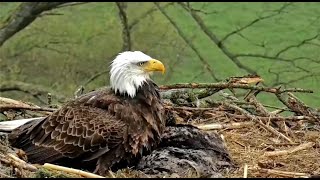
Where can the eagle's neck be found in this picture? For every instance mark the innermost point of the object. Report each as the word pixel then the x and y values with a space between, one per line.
pixel 128 83
pixel 146 88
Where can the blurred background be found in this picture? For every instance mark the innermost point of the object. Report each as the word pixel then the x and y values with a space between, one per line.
pixel 58 47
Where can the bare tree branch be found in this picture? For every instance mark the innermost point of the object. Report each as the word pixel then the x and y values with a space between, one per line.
pixel 278 59
pixel 279 11
pixel 263 44
pixel 183 36
pixel 216 40
pixel 277 74
pixel 26 13
pixel 299 79
pixel 305 41
pixel 144 15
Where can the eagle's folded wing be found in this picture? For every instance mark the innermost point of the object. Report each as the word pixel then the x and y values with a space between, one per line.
pixel 72 131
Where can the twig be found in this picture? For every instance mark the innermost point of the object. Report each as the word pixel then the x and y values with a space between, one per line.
pixel 296 45
pixel 25 165
pixel 274 131
pixel 284 173
pixel 290 118
pixel 277 108
pixel 260 108
pixel 251 23
pixel 188 108
pixel 245 171
pixel 71 170
pixel 282 144
pixel 290 151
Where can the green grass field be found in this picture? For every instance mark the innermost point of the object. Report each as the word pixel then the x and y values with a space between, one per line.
pixel 62 50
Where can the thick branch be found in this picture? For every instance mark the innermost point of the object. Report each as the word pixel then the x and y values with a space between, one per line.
pixel 125 27
pixel 224 85
pixel 26 13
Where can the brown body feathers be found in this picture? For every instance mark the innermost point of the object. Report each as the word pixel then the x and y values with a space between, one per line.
pixel 98 128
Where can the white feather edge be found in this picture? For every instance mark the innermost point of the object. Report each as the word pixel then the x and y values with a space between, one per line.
pixel 8 126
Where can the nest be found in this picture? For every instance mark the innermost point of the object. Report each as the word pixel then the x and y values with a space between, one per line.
pixel 262 140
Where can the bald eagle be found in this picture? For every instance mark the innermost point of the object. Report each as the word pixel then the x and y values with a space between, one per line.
pixel 102 127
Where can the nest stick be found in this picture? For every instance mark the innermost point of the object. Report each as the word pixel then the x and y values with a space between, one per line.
pixel 111 174
pixel 16 162
pixel 188 108
pixel 245 171
pixel 71 170
pixel 2 175
pixel 246 113
pixel 11 101
pixel 291 150
pixel 22 163
pixel 274 131
pixel 260 108
pixel 274 118
pixel 216 126
pixel 284 173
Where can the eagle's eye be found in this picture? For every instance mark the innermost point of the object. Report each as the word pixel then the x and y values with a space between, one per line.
pixel 141 63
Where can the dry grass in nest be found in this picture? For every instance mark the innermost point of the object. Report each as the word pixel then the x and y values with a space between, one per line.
pixel 248 146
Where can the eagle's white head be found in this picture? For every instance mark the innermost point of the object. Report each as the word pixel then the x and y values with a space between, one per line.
pixel 130 69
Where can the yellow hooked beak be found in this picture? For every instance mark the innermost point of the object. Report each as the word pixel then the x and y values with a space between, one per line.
pixel 154 65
